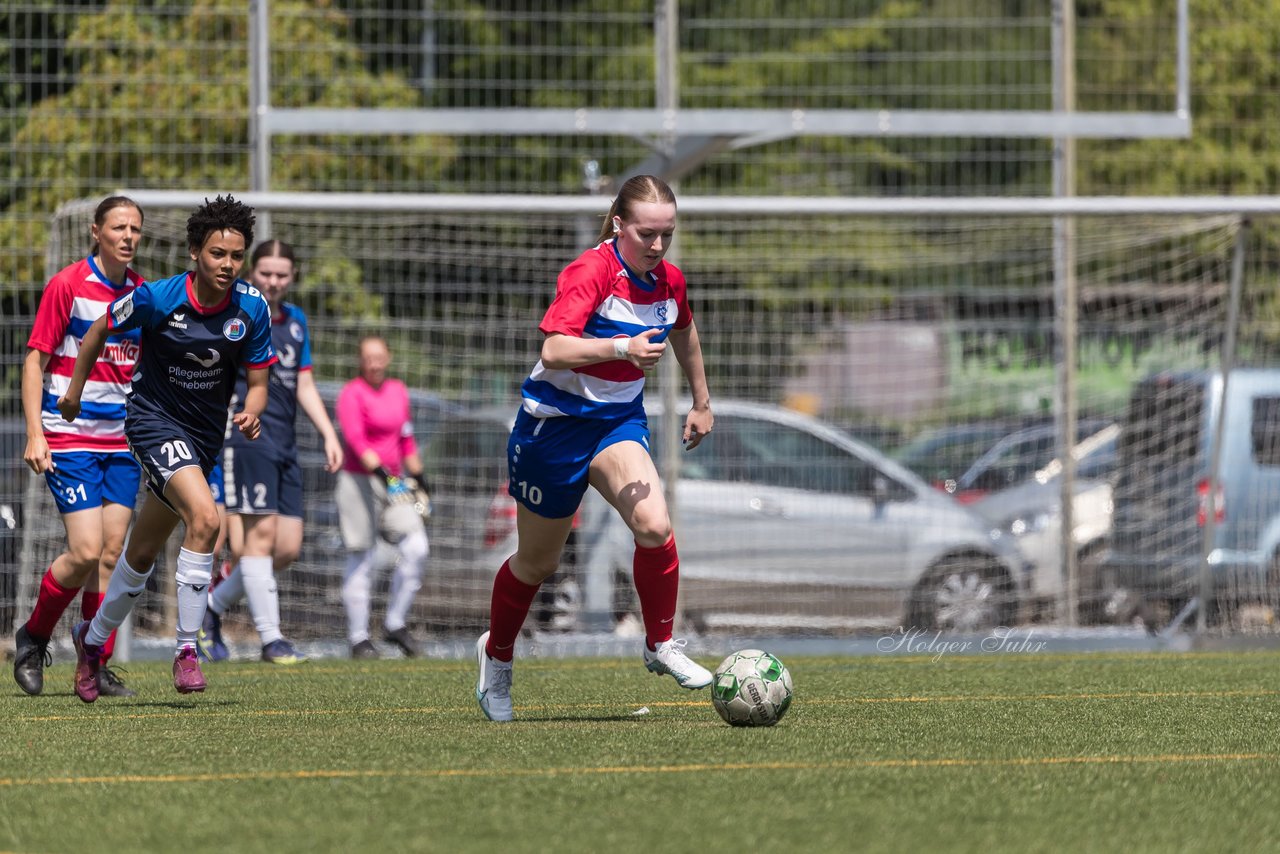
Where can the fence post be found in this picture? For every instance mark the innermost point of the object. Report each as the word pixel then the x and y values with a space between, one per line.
pixel 1215 457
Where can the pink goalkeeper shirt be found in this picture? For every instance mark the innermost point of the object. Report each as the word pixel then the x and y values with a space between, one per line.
pixel 377 419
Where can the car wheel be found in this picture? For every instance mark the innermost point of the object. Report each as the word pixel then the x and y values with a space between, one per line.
pixel 963 593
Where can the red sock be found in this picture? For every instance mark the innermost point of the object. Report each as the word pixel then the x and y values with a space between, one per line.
pixel 51 602
pixel 657 576
pixel 90 602
pixel 507 610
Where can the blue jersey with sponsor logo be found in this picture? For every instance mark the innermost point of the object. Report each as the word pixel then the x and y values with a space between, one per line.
pixel 191 353
pixel 291 341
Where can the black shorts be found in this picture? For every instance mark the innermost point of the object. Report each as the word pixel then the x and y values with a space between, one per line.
pixel 259 481
pixel 162 447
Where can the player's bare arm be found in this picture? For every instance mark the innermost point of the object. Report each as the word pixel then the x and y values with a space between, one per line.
pixel 312 404
pixel 688 350
pixel 90 348
pixel 255 400
pixel 37 454
pixel 560 352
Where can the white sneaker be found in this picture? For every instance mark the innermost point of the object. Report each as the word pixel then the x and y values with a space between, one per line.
pixel 493 687
pixel 669 657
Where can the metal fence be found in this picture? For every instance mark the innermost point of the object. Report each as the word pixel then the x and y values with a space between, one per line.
pixel 214 95
pixel 922 341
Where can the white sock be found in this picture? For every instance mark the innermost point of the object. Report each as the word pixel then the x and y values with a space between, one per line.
pixel 195 571
pixel 264 600
pixel 355 594
pixel 122 594
pixel 406 581
pixel 228 592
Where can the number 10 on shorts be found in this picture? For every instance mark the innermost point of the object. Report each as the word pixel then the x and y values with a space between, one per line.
pixel 531 494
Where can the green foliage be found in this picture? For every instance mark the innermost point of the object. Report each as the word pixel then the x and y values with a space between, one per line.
pixel 1235 76
pixel 155 94
pixel 162 102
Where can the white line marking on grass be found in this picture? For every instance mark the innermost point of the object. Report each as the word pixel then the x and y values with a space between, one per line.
pixel 197 711
pixel 446 773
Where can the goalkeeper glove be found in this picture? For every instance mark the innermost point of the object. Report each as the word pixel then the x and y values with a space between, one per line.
pixel 421 496
pixel 407 490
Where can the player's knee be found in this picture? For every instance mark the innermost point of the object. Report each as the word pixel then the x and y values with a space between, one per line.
pixel 413 548
pixel 110 556
pixel 651 530
pixel 83 558
pixel 83 553
pixel 534 567
pixel 203 527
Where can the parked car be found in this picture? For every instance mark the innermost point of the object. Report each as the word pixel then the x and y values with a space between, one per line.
pixel 785 521
pixel 1031 513
pixel 1015 458
pixel 943 454
pixel 1160 522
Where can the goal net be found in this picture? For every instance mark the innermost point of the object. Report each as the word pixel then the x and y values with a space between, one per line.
pixel 889 391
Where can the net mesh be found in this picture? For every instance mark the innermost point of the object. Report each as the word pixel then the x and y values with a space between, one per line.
pixel 839 350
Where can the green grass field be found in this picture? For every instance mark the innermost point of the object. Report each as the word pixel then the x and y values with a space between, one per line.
pixel 1023 753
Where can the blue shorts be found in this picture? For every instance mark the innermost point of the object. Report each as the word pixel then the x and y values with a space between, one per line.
pixel 549 459
pixel 82 480
pixel 261 482
pixel 215 480
pixel 162 448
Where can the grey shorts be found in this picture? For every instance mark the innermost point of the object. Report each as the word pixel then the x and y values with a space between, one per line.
pixel 363 510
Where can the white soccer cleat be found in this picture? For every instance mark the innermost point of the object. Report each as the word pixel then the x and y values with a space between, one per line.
pixel 493 686
pixel 669 657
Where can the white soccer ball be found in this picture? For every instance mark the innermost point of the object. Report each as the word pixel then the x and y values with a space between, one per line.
pixel 751 688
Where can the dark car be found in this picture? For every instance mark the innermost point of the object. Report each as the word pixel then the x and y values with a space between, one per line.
pixel 943 454
pixel 1016 457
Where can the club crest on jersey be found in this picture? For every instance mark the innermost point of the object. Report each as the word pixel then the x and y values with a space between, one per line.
pixel 234 329
pixel 295 329
pixel 660 310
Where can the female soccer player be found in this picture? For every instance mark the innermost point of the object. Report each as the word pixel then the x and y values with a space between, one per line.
pixel 582 422
pixel 263 481
pixel 87 465
pixel 197 329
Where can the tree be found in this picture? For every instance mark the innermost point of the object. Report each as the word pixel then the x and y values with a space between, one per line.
pixel 160 100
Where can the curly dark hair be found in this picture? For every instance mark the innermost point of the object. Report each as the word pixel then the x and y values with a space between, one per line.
pixel 222 214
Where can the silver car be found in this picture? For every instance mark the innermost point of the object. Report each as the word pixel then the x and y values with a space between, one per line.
pixel 786 522
pixel 1031 513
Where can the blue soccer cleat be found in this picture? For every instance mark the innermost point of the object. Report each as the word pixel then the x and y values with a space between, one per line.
pixel 281 652
pixel 209 640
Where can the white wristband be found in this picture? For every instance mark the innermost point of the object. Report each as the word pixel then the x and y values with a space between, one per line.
pixel 620 347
